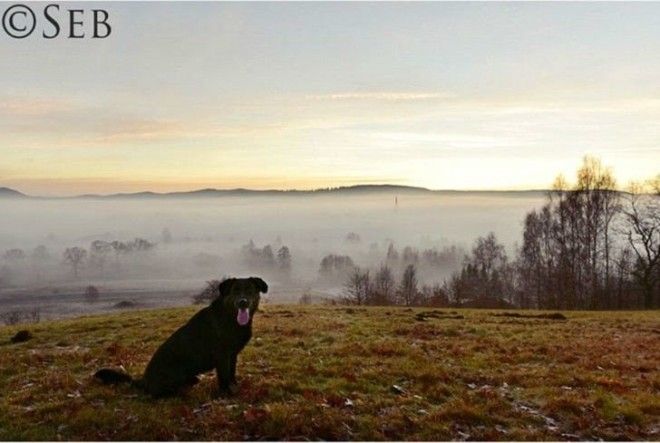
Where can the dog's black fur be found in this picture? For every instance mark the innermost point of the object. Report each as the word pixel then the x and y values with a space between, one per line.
pixel 211 339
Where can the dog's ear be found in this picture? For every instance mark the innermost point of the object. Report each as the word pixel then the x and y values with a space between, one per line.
pixel 225 287
pixel 260 284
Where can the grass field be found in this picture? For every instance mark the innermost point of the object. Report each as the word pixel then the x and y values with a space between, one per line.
pixel 348 373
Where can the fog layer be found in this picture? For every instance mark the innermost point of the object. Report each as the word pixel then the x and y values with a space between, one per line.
pixel 195 240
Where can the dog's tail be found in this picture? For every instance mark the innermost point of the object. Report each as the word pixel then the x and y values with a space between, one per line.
pixel 109 376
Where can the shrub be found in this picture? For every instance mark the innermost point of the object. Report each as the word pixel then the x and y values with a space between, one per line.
pixel 91 293
pixel 21 316
pixel 209 293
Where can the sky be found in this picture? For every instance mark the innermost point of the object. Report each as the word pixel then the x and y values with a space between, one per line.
pixel 306 95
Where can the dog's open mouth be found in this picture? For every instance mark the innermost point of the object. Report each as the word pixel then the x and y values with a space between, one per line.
pixel 243 316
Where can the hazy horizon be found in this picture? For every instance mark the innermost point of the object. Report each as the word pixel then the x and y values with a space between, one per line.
pixel 357 187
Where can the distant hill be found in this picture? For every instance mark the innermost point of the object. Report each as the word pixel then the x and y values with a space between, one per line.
pixel 10 193
pixel 342 190
pixel 242 192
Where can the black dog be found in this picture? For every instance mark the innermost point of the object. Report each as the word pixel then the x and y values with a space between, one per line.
pixel 211 339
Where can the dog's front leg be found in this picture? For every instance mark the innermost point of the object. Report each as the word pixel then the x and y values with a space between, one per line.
pixel 223 372
pixel 232 375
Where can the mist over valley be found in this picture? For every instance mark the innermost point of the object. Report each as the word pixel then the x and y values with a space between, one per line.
pixel 191 238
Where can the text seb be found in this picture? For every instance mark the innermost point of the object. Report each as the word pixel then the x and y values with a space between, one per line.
pixel 20 21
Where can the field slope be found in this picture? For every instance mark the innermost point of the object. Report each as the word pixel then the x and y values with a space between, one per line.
pixel 349 373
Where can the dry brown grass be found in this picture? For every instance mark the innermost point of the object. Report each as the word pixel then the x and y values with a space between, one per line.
pixel 316 372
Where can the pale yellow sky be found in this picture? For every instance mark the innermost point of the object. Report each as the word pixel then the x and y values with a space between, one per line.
pixel 298 95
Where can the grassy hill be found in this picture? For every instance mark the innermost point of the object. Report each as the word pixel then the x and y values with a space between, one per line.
pixel 349 373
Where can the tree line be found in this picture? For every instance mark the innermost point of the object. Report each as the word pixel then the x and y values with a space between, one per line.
pixel 590 246
pixel 95 257
pixel 265 260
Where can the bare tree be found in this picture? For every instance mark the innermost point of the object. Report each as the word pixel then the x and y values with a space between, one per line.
pixel 392 259
pixel 596 187
pixel 141 245
pixel 75 257
pixel 14 254
pixel 408 287
pixel 305 298
pixel 99 251
pixel 642 231
pixel 623 266
pixel 434 295
pixel 352 237
pixel 654 184
pixel 258 258
pixel 383 290
pixel 357 287
pixel 530 264
pixel 488 254
pixel 486 278
pixel 284 259
pixel 566 257
pixel 334 267
pixel 39 257
pixel 40 253
pixel 120 248
pixel 410 256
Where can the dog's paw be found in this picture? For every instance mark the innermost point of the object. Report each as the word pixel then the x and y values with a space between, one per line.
pixel 224 392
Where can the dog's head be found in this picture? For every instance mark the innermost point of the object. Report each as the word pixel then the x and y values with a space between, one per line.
pixel 240 297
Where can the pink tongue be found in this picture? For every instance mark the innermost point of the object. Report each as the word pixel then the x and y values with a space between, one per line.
pixel 243 317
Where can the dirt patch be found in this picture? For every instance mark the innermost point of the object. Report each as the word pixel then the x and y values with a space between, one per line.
pixel 354 310
pixel 423 316
pixel 553 316
pixel 283 313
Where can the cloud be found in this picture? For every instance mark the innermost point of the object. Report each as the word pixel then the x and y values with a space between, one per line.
pixel 117 130
pixel 448 140
pixel 32 106
pixel 383 96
